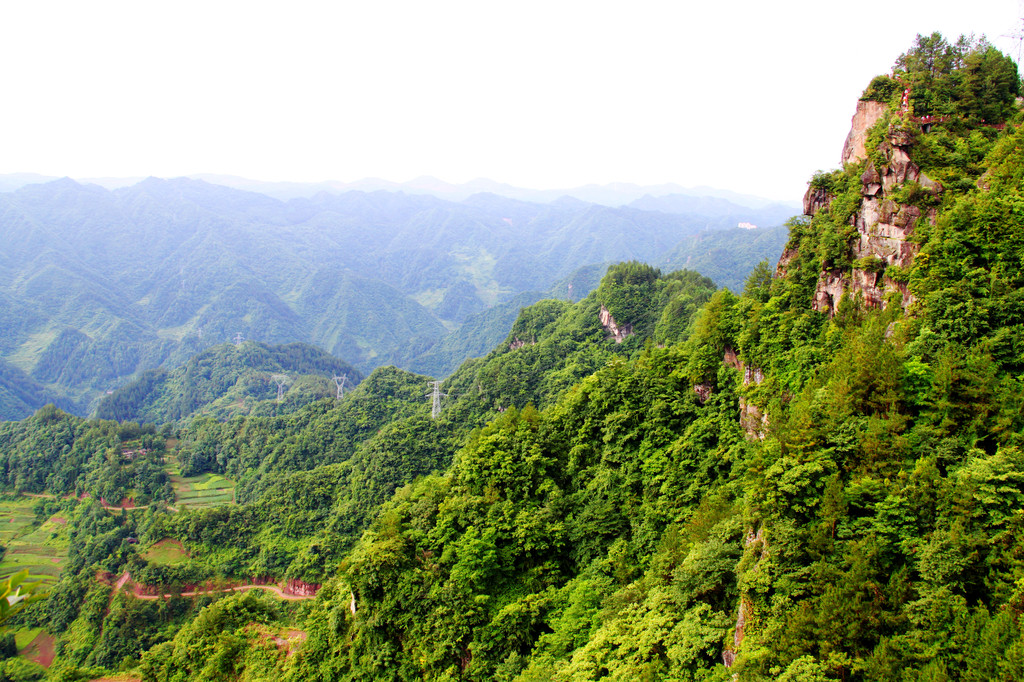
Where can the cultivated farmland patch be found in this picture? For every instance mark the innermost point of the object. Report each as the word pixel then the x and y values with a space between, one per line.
pixel 42 548
pixel 205 490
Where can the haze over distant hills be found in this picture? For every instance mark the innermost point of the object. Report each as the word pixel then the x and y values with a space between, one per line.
pixel 98 284
pixel 611 194
pixel 682 199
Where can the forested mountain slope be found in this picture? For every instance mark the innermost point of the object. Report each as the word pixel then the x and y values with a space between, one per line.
pixel 818 478
pixel 96 285
pixel 823 482
pixel 308 482
pixel 228 380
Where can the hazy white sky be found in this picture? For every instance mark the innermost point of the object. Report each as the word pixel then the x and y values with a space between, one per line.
pixel 746 95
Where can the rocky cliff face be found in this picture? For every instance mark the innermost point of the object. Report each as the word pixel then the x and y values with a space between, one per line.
pixel 614 329
pixel 884 227
pixel 303 589
pixel 752 419
pixel 755 544
pixel 883 224
pixel 855 147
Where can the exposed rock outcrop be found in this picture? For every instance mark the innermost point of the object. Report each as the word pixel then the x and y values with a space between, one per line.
pixel 703 392
pixel 616 331
pixel 855 147
pixel 884 226
pixel 746 606
pixel 816 199
pixel 301 588
pixel 731 359
pixel 831 285
pixel 519 343
pixel 751 374
pixel 871 181
pixel 753 421
pixel 787 257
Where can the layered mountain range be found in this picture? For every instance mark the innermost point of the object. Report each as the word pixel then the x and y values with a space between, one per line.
pixel 97 284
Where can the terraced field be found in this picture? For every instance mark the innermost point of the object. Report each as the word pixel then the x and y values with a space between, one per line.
pixel 15 516
pixel 41 549
pixel 205 490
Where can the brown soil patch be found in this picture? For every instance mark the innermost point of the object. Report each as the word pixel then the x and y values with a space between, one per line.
pixel 123 579
pixel 106 579
pixel 118 678
pixel 41 650
pixel 60 520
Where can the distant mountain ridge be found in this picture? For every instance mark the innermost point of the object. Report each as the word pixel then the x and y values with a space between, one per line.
pixel 769 215
pixel 100 284
pixel 610 194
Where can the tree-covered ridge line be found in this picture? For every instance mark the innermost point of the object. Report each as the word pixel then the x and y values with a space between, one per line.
pixel 100 285
pixel 968 80
pixel 230 379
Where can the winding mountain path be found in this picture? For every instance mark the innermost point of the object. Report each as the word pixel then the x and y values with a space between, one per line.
pixel 135 591
pixel 237 588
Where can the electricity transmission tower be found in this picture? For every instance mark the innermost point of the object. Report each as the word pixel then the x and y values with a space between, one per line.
pixel 435 395
pixel 570 292
pixel 281 380
pixel 239 338
pixel 340 383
